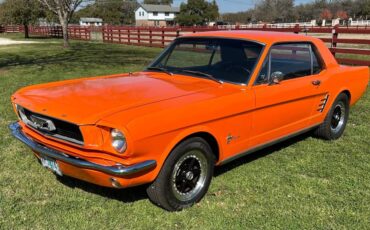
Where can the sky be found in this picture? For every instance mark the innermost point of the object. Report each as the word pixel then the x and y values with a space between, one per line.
pixel 236 5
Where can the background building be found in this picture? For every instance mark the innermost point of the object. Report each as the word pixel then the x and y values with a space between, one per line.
pixel 91 22
pixel 155 15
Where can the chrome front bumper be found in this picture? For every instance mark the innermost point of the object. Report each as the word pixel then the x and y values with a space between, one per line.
pixel 117 170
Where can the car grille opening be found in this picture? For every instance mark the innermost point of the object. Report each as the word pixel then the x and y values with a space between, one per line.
pixel 63 130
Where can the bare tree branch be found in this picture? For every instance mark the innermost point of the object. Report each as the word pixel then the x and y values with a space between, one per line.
pixel 64 9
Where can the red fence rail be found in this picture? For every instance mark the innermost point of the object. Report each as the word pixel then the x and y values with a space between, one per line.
pixel 160 37
pixel 74 32
pixel 11 29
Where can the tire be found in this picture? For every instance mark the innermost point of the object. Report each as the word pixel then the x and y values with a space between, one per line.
pixel 185 176
pixel 335 121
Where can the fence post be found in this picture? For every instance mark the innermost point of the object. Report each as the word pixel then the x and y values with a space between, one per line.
pixel 163 37
pixel 177 33
pixel 138 36
pixel 334 39
pixel 119 35
pixel 128 36
pixel 296 28
pixel 150 37
pixel 103 33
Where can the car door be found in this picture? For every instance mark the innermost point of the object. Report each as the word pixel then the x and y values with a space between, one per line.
pixel 287 106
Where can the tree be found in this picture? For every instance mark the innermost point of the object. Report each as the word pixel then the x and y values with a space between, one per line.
pixel 158 2
pixel 240 17
pixel 342 14
pixel 21 12
pixel 278 10
pixel 326 14
pixel 197 12
pixel 114 12
pixel 64 10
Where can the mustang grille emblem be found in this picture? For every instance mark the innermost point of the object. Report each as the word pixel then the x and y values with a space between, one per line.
pixel 42 123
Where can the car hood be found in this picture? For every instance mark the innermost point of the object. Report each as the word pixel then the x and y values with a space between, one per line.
pixel 86 101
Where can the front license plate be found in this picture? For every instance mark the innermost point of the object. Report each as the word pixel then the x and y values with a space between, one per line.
pixel 51 164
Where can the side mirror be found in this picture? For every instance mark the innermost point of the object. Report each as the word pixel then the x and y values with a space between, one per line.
pixel 276 77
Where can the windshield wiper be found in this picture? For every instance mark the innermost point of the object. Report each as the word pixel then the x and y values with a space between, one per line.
pixel 160 69
pixel 209 76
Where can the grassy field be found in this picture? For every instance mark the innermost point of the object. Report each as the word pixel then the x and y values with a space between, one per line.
pixel 304 183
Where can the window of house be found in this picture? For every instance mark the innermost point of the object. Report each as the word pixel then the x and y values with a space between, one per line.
pixel 155 13
pixel 167 14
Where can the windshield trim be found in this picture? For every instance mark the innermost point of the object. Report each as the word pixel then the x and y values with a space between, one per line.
pixel 171 46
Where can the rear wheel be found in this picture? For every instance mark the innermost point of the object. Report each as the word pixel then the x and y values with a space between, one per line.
pixel 185 176
pixel 335 122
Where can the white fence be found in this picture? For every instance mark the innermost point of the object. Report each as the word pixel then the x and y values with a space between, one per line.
pixel 359 22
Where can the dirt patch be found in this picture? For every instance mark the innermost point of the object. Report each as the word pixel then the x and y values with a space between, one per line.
pixel 7 41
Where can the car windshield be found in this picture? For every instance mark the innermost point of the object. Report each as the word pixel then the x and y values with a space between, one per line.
pixel 219 59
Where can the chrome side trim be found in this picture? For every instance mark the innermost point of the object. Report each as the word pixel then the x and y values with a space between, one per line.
pixel 265 145
pixel 117 170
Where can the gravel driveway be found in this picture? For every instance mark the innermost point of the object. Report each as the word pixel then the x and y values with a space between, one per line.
pixel 7 41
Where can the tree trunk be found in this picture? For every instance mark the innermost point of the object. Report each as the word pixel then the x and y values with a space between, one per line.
pixel 64 24
pixel 26 31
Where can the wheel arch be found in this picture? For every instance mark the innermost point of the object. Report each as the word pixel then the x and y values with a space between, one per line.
pixel 202 132
pixel 348 93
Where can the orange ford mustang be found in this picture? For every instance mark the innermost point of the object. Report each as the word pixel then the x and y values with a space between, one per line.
pixel 208 98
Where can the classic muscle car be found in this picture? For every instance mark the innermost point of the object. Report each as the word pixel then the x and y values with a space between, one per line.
pixel 208 98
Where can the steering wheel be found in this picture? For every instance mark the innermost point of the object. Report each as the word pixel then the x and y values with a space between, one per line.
pixel 235 67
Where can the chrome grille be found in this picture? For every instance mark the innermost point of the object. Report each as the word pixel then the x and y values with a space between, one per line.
pixel 59 129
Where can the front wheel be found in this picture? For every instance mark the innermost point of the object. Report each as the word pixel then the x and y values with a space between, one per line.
pixel 335 122
pixel 185 176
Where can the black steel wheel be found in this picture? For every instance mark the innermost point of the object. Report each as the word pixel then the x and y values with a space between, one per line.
pixel 336 119
pixel 185 176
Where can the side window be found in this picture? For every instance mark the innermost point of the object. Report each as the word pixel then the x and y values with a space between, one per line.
pixel 263 75
pixel 292 60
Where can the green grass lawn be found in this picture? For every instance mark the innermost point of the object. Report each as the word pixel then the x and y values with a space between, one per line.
pixel 299 184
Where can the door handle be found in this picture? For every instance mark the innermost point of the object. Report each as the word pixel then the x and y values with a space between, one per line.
pixel 316 82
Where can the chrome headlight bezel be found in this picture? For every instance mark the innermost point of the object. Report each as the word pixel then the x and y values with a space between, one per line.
pixel 118 140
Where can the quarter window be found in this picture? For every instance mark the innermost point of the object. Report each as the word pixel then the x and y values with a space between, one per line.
pixel 317 63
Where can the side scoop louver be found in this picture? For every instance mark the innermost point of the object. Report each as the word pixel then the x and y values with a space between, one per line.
pixel 323 103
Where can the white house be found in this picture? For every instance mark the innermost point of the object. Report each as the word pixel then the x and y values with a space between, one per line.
pixel 155 15
pixel 91 22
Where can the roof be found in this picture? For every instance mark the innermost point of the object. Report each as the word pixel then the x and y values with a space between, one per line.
pixel 266 37
pixel 91 19
pixel 160 8
pixel 269 38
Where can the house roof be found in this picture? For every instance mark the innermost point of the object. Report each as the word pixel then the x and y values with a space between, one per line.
pixel 160 8
pixel 91 19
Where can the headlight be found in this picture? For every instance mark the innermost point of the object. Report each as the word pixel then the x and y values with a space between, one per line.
pixel 118 140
